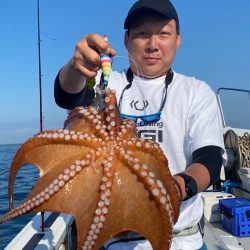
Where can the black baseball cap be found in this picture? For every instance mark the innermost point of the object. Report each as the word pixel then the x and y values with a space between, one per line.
pixel 162 7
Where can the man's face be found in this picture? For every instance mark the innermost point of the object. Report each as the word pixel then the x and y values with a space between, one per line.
pixel 152 42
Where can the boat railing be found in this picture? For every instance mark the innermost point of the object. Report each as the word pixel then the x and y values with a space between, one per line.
pixel 219 100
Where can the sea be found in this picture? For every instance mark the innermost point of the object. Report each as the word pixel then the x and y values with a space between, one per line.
pixel 25 180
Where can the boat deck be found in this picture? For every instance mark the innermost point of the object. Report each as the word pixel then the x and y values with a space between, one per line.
pixel 218 238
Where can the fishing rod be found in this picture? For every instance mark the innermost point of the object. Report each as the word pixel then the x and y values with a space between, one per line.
pixel 40 91
pixel 39 65
pixel 40 86
pixel 39 71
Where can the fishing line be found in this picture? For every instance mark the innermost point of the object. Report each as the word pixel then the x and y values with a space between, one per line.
pixel 138 69
pixel 4 172
pixel 31 23
pixel 129 56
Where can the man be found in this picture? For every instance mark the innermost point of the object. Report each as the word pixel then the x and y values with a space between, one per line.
pixel 179 112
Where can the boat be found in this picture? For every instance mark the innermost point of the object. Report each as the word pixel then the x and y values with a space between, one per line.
pixel 58 231
pixel 235 186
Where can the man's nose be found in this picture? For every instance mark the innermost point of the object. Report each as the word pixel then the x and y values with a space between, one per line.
pixel 152 44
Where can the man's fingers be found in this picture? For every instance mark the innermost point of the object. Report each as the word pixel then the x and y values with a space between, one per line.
pixel 87 72
pixel 112 52
pixel 98 42
pixel 85 66
pixel 87 54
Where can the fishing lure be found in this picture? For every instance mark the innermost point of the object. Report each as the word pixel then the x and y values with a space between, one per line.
pixel 106 61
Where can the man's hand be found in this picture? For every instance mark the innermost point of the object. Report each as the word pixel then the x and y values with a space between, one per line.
pixel 85 62
pixel 86 58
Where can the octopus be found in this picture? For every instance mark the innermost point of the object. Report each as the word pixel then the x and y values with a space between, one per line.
pixel 100 172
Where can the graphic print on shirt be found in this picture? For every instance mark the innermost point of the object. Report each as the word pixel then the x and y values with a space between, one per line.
pixel 136 105
pixel 147 130
pixel 153 134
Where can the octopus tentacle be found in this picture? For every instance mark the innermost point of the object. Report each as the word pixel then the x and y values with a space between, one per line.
pixel 93 122
pixel 70 137
pixel 153 185
pixel 112 114
pixel 152 149
pixel 34 201
pixel 103 202
pixel 60 137
pixel 52 137
pixel 127 129
pixel 121 183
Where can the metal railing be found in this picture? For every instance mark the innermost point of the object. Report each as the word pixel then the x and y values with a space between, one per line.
pixel 219 100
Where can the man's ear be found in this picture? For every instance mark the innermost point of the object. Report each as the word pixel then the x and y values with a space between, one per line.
pixel 126 39
pixel 178 41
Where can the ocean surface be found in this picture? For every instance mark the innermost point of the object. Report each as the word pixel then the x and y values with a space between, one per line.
pixel 24 182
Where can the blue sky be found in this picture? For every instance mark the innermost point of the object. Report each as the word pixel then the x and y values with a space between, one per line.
pixel 215 48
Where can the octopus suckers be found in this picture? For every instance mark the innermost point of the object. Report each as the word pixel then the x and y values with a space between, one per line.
pixel 155 192
pixel 136 167
pixel 107 145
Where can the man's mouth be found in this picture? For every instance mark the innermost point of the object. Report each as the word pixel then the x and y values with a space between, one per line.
pixel 151 60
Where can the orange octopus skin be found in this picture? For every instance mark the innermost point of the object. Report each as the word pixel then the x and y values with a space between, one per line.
pixel 99 171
